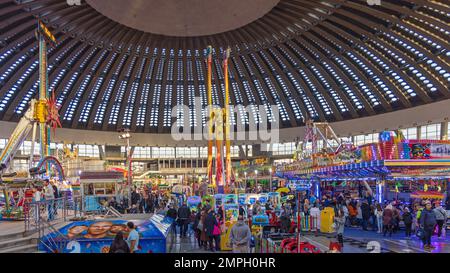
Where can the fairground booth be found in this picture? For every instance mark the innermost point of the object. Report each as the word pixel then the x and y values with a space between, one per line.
pixel 96 236
pixel 396 168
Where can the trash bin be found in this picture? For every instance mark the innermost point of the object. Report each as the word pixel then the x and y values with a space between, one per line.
pixel 326 220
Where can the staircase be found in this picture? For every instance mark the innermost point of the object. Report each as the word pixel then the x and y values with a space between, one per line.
pixel 18 243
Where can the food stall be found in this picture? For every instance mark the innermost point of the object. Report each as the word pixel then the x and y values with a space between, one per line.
pixel 98 187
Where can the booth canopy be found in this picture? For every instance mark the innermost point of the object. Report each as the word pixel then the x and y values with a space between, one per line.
pixel 427 195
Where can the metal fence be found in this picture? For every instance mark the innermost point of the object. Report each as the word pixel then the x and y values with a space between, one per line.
pixel 51 211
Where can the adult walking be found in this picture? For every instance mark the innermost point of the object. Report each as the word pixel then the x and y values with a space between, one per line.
pixel 407 220
pixel 365 211
pixel 201 227
pixel 210 223
pixel 441 217
pixel 198 226
pixel 240 236
pixel 49 194
pixel 217 232
pixel 427 222
pixel 184 213
pixel 172 214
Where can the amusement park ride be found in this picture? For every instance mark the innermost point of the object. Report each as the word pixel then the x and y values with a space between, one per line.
pixel 333 150
pixel 42 112
pixel 219 130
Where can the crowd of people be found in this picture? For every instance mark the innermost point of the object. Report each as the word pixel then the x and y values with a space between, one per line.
pixel 420 218
pixel 207 226
pixel 142 200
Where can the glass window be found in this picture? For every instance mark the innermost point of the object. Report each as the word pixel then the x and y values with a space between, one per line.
pixel 88 150
pixel 410 133
pixel 142 152
pixel 448 131
pixel 3 143
pixel 431 131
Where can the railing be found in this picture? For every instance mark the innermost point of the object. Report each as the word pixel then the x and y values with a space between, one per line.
pixel 54 244
pixel 52 211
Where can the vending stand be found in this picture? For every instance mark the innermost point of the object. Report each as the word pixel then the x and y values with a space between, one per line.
pixel 98 187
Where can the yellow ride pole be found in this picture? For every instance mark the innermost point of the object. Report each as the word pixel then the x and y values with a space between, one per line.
pixel 227 119
pixel 211 114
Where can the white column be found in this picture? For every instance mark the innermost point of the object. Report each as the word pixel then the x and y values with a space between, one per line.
pixel 444 130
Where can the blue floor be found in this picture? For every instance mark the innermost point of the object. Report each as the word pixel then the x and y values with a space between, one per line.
pixel 398 241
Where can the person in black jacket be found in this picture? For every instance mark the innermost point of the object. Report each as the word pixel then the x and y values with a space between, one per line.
pixel 172 214
pixel 365 210
pixel 119 245
pixel 184 214
pixel 198 229
pixel 56 194
pixel 285 223
pixel 135 197
pixel 407 219
pixel 210 222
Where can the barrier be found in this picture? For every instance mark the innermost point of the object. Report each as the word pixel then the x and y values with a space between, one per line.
pixel 269 246
pixel 52 210
pixel 309 223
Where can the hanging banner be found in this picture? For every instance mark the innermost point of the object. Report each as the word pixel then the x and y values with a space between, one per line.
pixel 440 150
pixel 429 150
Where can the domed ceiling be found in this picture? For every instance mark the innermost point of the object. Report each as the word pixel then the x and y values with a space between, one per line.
pixel 127 63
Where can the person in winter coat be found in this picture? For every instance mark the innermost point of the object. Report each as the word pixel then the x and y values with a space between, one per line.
pixel 441 217
pixel 240 236
pixel 210 222
pixel 396 219
pixel 365 211
pixel 172 214
pixel 119 245
pixel 135 197
pixel 285 223
pixel 217 232
pixel 184 214
pixel 407 219
pixel 197 226
pixel 388 218
pixel 201 227
pixel 379 217
pixel 427 222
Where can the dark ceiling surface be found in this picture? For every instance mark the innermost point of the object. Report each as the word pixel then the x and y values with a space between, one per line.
pixel 327 60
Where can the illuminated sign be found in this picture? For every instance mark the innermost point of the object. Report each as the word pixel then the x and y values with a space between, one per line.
pixel 299 185
pixel 261 161
pixel 245 162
